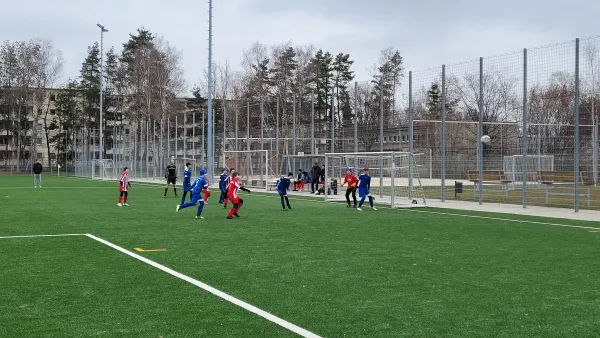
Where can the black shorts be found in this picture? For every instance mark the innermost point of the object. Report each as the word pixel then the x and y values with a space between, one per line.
pixel 172 180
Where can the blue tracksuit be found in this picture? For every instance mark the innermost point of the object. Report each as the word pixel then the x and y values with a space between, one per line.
pixel 187 180
pixel 196 189
pixel 223 186
pixel 364 189
pixel 283 184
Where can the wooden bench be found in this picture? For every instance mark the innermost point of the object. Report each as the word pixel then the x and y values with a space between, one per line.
pixel 489 178
pixel 552 179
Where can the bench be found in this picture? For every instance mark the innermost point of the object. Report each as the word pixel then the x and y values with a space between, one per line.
pixel 552 179
pixel 489 178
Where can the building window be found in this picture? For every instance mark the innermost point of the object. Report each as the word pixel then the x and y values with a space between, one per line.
pixel 40 156
pixel 52 112
pixel 39 141
pixel 52 98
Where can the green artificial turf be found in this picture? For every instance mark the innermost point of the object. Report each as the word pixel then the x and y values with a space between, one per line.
pixel 331 270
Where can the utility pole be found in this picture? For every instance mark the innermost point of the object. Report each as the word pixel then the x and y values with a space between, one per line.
pixel 102 31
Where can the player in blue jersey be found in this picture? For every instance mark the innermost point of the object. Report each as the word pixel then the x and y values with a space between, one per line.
pixel 187 181
pixel 223 183
pixel 364 189
pixel 196 188
pixel 283 184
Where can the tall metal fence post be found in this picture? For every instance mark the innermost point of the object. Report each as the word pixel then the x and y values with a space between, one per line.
pixel 381 138
pixel 312 124
pixel 224 131
pixel 262 125
pixel 194 152
pixel 595 152
pixel 294 127
pixel 480 133
pixel 525 137
pixel 355 123
pixel 248 126
pixel 576 123
pixel 332 123
pixel 443 138
pixel 411 160
pixel 277 135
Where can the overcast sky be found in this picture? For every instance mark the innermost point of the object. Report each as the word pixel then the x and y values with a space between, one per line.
pixel 427 33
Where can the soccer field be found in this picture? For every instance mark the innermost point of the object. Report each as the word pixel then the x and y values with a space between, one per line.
pixel 332 271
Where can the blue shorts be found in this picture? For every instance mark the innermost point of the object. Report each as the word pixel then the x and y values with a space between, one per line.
pixel 363 192
pixel 282 193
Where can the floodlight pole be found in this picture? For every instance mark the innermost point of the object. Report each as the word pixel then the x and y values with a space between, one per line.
pixel 210 145
pixel 102 31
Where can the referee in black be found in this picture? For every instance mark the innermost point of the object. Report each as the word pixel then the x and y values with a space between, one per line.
pixel 171 176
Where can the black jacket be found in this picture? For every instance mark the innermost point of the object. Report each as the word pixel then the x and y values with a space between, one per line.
pixel 315 173
pixel 37 168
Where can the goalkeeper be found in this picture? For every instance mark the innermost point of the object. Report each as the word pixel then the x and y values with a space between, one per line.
pixel 352 181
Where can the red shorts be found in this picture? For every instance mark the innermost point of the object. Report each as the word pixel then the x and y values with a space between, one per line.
pixel 121 189
pixel 234 200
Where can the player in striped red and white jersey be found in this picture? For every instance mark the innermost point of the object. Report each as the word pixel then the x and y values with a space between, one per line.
pixel 232 195
pixel 124 186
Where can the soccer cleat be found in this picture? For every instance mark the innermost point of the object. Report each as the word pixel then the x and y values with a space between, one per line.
pixel 199 217
pixel 359 209
pixel 374 208
pixel 177 208
pixel 125 205
pixel 119 204
pixel 229 217
pixel 225 206
pixel 348 206
pixel 236 214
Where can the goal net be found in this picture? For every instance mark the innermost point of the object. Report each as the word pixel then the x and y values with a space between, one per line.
pixel 293 163
pixel 513 168
pixel 394 177
pixel 251 165
pixel 105 170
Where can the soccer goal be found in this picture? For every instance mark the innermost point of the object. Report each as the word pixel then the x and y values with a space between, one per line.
pixel 513 168
pixel 292 163
pixel 394 177
pixel 180 165
pixel 105 170
pixel 252 166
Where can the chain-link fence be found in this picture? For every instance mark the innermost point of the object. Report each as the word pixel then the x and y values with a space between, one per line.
pixel 537 107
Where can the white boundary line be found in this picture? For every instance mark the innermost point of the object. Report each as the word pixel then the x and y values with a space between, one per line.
pixel 296 329
pixel 460 215
pixel 272 318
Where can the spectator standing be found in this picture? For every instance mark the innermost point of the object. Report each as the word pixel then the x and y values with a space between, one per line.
pixel 315 175
pixel 37 174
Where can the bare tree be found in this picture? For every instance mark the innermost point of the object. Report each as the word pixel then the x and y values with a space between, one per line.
pixel 50 70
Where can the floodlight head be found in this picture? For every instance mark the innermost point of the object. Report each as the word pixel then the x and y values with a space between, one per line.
pixel 102 28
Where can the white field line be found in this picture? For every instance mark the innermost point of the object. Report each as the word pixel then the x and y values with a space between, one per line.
pixel 457 214
pixel 34 236
pixel 296 329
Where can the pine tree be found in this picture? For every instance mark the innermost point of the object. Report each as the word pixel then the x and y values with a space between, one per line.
pixel 434 102
pixel 342 75
pixel 65 121
pixel 322 69
pixel 89 85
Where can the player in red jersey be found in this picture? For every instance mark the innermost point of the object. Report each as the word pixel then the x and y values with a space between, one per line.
pixel 232 191
pixel 227 181
pixel 352 181
pixel 124 186
pixel 206 191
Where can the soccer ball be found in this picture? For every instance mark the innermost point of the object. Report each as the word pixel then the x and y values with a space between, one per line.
pixel 485 139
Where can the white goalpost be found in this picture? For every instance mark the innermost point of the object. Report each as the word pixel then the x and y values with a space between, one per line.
pixel 252 166
pixel 105 169
pixel 395 178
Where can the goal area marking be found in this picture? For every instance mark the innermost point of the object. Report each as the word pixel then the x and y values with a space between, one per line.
pixel 246 306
